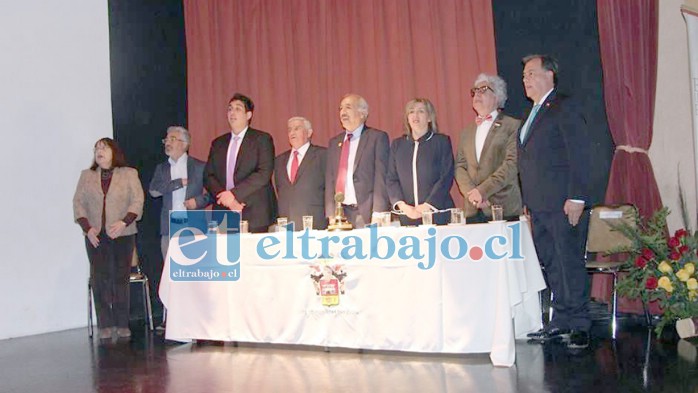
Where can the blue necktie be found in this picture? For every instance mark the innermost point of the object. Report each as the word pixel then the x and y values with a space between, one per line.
pixel 529 121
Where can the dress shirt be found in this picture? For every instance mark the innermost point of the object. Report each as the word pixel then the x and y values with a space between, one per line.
pixel 241 136
pixel 481 133
pixel 178 170
pixel 301 153
pixel 349 191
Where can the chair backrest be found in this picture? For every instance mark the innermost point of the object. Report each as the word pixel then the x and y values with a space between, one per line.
pixel 602 237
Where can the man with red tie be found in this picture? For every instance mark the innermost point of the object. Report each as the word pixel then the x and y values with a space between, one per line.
pixel 299 176
pixel 239 168
pixel 357 161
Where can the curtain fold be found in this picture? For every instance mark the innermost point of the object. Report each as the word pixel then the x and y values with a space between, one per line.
pixel 628 35
pixel 299 57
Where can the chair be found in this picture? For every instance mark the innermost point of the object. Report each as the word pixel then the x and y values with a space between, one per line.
pixel 602 239
pixel 137 277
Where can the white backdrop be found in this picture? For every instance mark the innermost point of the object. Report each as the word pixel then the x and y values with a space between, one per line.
pixel 54 104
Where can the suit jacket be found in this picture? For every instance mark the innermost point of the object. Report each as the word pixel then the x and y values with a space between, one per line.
pixel 370 168
pixel 495 175
pixel 306 196
pixel 125 195
pixel 253 169
pixel 434 173
pixel 162 185
pixel 554 159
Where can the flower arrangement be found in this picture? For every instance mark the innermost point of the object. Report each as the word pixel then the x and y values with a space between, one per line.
pixel 662 268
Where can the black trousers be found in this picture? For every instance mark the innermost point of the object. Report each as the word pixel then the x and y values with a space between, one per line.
pixel 560 249
pixel 110 266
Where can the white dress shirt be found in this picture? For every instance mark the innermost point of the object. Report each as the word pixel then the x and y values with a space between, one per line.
pixel 481 133
pixel 349 191
pixel 178 170
pixel 301 153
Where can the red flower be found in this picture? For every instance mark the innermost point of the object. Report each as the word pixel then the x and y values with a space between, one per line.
pixel 640 262
pixel 674 256
pixel 674 242
pixel 680 233
pixel 647 254
pixel 651 282
pixel 683 249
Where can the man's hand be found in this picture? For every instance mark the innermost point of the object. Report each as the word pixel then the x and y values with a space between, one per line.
pixel 184 182
pixel 115 229
pixel 190 203
pixel 225 198
pixel 484 205
pixel 574 211
pixel 92 237
pixel 474 197
pixel 423 208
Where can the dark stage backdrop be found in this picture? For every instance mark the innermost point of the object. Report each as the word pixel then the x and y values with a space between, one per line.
pixel 569 31
pixel 148 90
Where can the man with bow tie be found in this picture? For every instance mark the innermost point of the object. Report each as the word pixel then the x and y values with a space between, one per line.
pixel 486 171
pixel 299 176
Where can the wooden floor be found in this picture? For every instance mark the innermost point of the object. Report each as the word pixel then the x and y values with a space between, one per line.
pixel 70 362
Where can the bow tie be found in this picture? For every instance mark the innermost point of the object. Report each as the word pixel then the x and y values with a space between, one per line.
pixel 480 119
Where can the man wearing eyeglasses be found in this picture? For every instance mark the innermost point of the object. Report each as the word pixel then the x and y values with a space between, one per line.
pixel 486 171
pixel 180 183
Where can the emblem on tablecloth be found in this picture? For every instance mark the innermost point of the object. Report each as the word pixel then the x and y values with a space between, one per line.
pixel 328 281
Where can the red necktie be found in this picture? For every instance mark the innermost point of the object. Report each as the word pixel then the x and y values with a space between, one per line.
pixel 343 164
pixel 294 167
pixel 479 119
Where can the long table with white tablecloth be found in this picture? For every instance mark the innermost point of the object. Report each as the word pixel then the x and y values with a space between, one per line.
pixel 468 304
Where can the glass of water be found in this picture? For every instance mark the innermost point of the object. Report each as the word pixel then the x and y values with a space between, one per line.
pixel 427 217
pixel 457 216
pixel 307 223
pixel 281 223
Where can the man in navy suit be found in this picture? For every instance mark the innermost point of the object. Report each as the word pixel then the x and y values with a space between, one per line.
pixel 299 176
pixel 554 159
pixel 239 168
pixel 357 161
pixel 180 183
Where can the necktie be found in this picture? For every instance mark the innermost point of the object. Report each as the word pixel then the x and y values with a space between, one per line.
pixel 529 121
pixel 480 119
pixel 232 159
pixel 343 164
pixel 294 167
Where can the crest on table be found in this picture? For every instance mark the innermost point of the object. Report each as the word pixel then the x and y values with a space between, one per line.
pixel 328 282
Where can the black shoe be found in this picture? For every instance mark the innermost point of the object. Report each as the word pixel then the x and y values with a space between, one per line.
pixel 549 334
pixel 578 340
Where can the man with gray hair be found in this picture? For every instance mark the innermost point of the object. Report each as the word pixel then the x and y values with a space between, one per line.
pixel 180 183
pixel 299 176
pixel 357 162
pixel 486 171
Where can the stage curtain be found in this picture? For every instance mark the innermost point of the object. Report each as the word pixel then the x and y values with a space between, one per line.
pixel 628 34
pixel 299 57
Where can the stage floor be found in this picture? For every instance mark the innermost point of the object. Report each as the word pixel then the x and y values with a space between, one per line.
pixel 70 362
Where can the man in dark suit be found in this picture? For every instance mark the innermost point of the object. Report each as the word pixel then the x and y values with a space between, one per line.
pixel 486 171
pixel 299 176
pixel 357 161
pixel 554 161
pixel 180 183
pixel 239 168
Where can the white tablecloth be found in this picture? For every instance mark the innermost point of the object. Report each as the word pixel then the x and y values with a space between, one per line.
pixel 462 306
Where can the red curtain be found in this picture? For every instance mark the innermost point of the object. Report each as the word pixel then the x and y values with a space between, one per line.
pixel 628 40
pixel 299 57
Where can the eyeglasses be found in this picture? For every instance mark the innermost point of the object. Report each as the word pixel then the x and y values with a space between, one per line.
pixel 480 90
pixel 172 139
